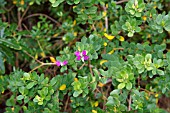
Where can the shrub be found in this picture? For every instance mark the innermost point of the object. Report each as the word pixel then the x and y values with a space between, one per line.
pixel 84 56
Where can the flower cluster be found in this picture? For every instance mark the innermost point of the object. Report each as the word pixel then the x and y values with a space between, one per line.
pixel 81 55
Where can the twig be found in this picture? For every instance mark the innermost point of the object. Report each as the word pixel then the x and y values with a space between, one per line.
pixel 42 64
pixel 40 14
pixel 90 67
pixel 20 18
pixel 106 18
pixel 122 1
pixel 16 61
pixel 82 66
pixel 65 107
pixel 118 48
pixel 32 57
pixel 147 91
pixel 129 103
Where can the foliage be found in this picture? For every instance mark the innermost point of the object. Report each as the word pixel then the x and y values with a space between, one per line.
pixel 67 55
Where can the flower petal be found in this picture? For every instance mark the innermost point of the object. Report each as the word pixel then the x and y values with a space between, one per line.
pixel 58 63
pixel 86 57
pixel 65 62
pixel 77 53
pixel 84 52
pixel 78 58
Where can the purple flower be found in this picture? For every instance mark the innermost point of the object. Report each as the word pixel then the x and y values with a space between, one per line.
pixel 81 55
pixel 59 63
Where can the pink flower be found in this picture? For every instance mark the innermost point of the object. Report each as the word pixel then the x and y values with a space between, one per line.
pixel 59 63
pixel 81 55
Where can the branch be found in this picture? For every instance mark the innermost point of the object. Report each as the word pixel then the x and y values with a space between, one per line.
pixel 129 103
pixel 40 14
pixel 106 18
pixel 42 64
pixel 122 1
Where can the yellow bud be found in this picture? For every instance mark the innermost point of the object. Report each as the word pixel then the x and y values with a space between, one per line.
pixel 75 79
pixel 115 109
pixel 37 36
pixel 79 48
pixel 155 7
pixel 100 84
pixel 2 92
pixel 156 95
pixel 104 13
pixel 121 38
pixel 36 56
pixel 102 61
pixel 55 35
pixel 147 98
pixel 75 33
pixel 22 2
pixel 82 10
pixel 74 7
pixel 52 59
pixel 100 24
pixel 150 15
pixel 94 111
pixel 149 35
pixel 109 36
pixel 144 18
pixel 106 5
pixel 74 22
pixel 62 87
pixel 96 103
pixel 105 44
pixel 12 108
pixel 14 2
pixel 42 54
pixel 105 30
pixel 156 100
pixel 111 52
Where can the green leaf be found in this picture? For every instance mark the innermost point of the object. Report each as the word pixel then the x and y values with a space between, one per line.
pixel 160 72
pixel 77 93
pixel 53 81
pixel 20 97
pixel 52 1
pixel 76 1
pixel 27 76
pixel 26 99
pixel 40 103
pixel 129 85
pixel 57 3
pixel 121 85
pixel 2 67
pixel 11 43
pixel 130 34
pixel 10 101
pixel 21 90
pixel 30 85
